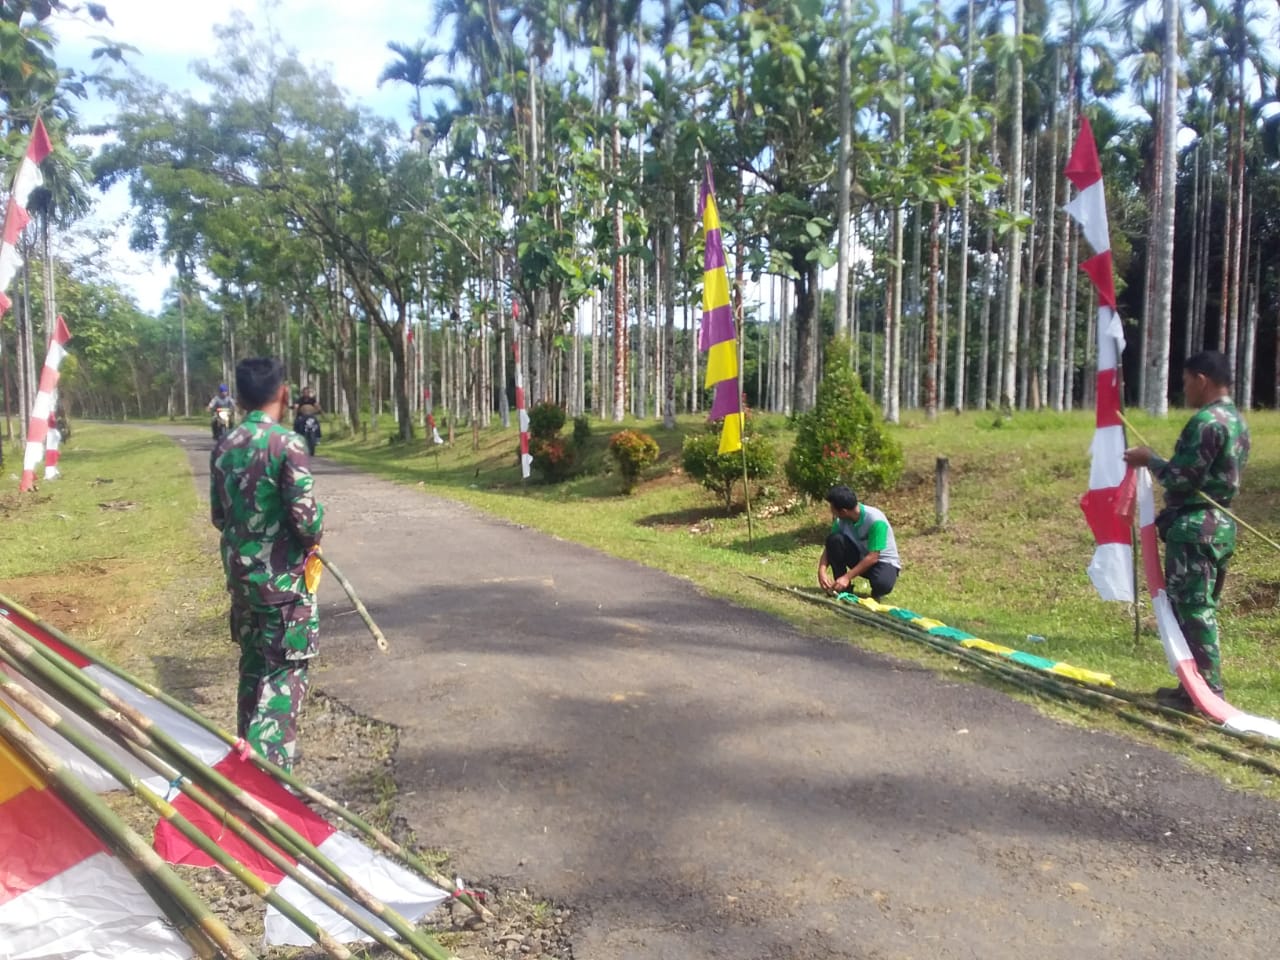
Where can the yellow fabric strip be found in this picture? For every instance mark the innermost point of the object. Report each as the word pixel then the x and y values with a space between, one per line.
pixel 15 775
pixel 710 213
pixel 731 434
pixel 988 646
pixel 1083 675
pixel 926 624
pixel 876 605
pixel 722 362
pixel 715 289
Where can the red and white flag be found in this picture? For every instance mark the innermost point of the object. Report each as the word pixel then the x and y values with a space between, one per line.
pixel 1110 483
pixel 62 894
pixel 526 460
pixel 42 410
pixel 1115 490
pixel 402 890
pixel 16 217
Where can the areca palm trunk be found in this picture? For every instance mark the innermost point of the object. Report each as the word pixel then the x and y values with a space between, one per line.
pixel 931 331
pixel 1162 306
pixel 966 201
pixel 842 179
pixel 1014 278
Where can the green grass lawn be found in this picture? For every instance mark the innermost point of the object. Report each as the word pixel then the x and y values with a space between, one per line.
pixel 115 552
pixel 1010 563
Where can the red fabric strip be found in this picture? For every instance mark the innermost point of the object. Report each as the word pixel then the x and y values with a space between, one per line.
pixel 175 848
pixel 39 838
pixel 1151 559
pixel 1083 167
pixel 1108 414
pixel 40 147
pixel 1103 517
pixel 40 634
pixel 1100 272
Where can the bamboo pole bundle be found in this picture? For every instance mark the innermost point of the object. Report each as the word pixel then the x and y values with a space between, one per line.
pixel 384 842
pixel 125 724
pixel 191 915
pixel 1045 686
pixel 164 810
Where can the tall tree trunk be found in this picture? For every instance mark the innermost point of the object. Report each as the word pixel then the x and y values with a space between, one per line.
pixel 931 331
pixel 984 321
pixel 966 202
pixel 1014 278
pixel 842 178
pixel 1046 315
pixel 1162 308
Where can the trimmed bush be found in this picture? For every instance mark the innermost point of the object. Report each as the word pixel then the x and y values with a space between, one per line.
pixel 718 472
pixel 581 430
pixel 842 439
pixel 632 451
pixel 552 457
pixel 546 420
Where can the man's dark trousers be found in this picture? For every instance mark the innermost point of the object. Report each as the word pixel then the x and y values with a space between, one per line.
pixel 843 554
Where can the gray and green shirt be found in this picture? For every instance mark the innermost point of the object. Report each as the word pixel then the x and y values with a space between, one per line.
pixel 871 532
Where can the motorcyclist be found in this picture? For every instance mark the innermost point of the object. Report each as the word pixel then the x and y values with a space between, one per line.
pixel 306 419
pixel 223 401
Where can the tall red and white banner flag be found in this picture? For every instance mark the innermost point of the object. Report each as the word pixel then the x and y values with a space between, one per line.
pixel 526 460
pixel 16 217
pixel 1116 491
pixel 42 410
pixel 1110 483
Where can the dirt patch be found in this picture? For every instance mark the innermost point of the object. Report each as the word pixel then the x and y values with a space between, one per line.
pixel 1257 595
pixel 82 598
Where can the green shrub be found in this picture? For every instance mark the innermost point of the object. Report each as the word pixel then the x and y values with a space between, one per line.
pixel 842 439
pixel 633 451
pixel 581 430
pixel 552 457
pixel 719 473
pixel 545 420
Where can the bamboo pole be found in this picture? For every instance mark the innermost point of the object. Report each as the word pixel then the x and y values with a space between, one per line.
pixel 407 857
pixel 179 903
pixel 102 705
pixel 163 809
pixel 1038 683
pixel 1206 498
pixel 355 601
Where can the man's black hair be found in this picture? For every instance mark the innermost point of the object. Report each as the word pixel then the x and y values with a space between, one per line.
pixel 257 380
pixel 842 498
pixel 1213 364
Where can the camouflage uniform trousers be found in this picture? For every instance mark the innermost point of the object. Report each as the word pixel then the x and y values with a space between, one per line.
pixel 1194 575
pixel 272 687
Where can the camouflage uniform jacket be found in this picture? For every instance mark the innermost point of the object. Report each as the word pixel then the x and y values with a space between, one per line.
pixel 1210 456
pixel 260 498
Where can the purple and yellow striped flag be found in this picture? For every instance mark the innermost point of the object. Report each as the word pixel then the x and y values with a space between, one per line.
pixel 718 338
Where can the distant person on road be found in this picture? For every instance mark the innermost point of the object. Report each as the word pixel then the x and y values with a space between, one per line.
pixel 260 498
pixel 861 544
pixel 222 400
pixel 1209 458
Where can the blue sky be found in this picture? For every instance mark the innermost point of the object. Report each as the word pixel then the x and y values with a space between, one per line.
pixel 349 38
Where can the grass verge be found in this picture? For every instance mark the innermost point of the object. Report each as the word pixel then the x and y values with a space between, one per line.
pixel 114 552
pixel 1008 565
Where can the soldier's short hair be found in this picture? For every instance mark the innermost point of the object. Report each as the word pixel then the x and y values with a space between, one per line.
pixel 842 498
pixel 1213 364
pixel 257 380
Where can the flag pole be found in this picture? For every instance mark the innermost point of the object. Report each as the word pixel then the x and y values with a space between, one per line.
pixel 1134 537
pixel 746 483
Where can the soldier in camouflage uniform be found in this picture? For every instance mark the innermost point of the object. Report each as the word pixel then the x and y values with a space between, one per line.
pixel 1199 538
pixel 260 498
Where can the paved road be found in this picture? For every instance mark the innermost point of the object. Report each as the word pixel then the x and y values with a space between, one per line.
pixel 702 781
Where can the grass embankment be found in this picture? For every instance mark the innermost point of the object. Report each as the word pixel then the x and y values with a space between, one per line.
pixel 115 552
pixel 1009 564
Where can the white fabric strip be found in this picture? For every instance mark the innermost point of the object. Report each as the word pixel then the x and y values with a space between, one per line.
pixel 1175 645
pixel 1111 571
pixel 406 893
pixel 94 909
pixel 1107 466
pixel 28 178
pixel 1089 208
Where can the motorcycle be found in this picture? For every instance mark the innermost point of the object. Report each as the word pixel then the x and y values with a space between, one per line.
pixel 308 425
pixel 221 423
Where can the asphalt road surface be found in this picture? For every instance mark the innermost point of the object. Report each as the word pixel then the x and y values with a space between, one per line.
pixel 702 781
